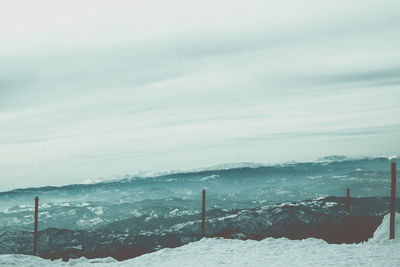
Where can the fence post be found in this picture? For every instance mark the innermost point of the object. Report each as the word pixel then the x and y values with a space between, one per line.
pixel 203 224
pixel 348 202
pixel 35 234
pixel 393 202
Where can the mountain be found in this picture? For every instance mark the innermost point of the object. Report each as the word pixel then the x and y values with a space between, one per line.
pixel 133 215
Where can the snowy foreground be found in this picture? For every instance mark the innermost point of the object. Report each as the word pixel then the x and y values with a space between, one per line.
pixel 378 251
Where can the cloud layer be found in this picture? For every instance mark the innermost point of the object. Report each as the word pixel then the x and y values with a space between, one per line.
pixel 98 88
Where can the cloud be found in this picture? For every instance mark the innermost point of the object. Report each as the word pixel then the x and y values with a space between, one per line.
pixel 374 77
pixel 136 86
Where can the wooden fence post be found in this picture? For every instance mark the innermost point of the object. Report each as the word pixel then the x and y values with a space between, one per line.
pixel 393 202
pixel 35 234
pixel 348 202
pixel 203 224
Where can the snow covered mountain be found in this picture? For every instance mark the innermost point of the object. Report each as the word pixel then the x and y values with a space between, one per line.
pixel 133 215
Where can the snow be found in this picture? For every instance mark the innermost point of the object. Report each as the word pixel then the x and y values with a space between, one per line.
pixel 271 252
pixel 330 204
pixel 96 210
pixel 89 222
pixel 382 232
pixel 314 177
pixel 153 174
pixel 391 157
pixel 214 176
pixel 32 261
pixel 339 176
pixel 378 251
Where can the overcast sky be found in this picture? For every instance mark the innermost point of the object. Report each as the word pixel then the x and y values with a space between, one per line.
pixel 92 89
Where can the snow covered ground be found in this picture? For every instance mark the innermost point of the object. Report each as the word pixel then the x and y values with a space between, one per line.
pixel 378 251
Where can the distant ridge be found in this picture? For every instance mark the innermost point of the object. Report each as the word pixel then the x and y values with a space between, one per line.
pixel 140 175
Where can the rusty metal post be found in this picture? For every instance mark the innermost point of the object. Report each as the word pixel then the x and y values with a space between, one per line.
pixel 35 234
pixel 203 224
pixel 348 202
pixel 393 202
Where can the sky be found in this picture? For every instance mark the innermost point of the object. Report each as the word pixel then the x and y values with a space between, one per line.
pixel 92 89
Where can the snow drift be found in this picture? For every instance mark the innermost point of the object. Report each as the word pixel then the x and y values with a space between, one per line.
pixel 382 232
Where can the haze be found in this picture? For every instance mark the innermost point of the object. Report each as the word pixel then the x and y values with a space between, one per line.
pixel 99 88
